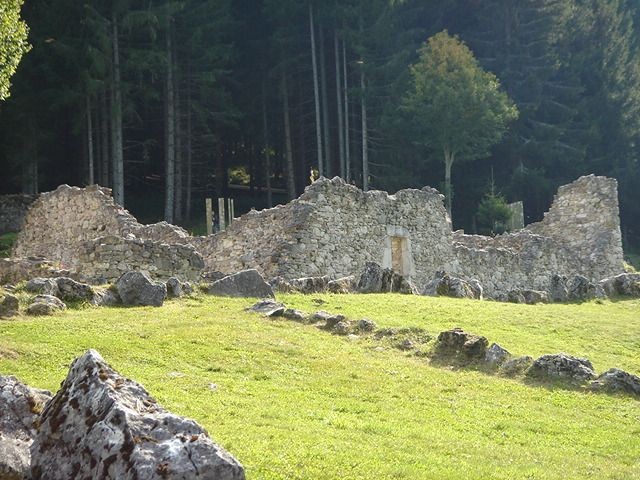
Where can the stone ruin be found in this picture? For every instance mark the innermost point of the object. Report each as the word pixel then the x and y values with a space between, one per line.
pixel 84 231
pixel 333 230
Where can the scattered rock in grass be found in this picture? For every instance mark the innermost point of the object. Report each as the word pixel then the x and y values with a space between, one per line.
pixel 136 289
pixel 42 286
pixel 295 315
pixel 496 356
pixel 9 305
pixel 174 288
pixel 616 380
pixel 623 285
pixel 516 366
pixel 558 291
pixel 45 305
pixel 72 291
pixel 329 319
pixel 248 283
pixel 342 285
pixel 103 425
pixel 9 288
pixel 309 285
pixel 406 344
pixel 106 298
pixel 213 276
pixel 375 279
pixel 529 297
pixel 445 285
pixel 268 308
pixel 366 325
pixel 460 345
pixel 561 366
pixel 342 328
pixel 579 288
pixel 20 407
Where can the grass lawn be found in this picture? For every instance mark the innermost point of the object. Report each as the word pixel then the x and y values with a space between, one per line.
pixel 294 402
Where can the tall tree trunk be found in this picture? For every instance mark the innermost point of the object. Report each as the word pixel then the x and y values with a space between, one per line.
pixel 325 108
pixel 90 159
pixel 365 134
pixel 170 136
pixel 316 92
pixel 116 125
pixel 267 148
pixel 336 53
pixel 347 120
pixel 189 152
pixel 104 143
pixel 449 157
pixel 291 182
pixel 179 142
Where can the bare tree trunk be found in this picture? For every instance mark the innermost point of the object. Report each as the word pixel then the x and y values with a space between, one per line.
pixel 105 118
pixel 316 92
pixel 170 138
pixel 347 120
pixel 336 52
pixel 365 135
pixel 449 157
pixel 267 148
pixel 179 173
pixel 116 125
pixel 291 182
pixel 90 159
pixel 189 148
pixel 325 108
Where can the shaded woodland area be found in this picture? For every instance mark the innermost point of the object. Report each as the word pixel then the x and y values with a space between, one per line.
pixel 169 102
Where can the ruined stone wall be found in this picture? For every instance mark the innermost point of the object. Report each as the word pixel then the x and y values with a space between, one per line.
pixel 13 209
pixel 585 218
pixel 334 229
pixel 579 235
pixel 63 226
pixel 104 259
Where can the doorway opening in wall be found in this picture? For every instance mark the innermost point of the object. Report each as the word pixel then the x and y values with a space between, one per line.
pixel 399 252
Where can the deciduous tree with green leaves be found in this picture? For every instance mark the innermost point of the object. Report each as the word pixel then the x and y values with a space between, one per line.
pixel 13 42
pixel 458 109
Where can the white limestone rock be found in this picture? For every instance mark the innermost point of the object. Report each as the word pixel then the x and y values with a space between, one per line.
pixel 103 425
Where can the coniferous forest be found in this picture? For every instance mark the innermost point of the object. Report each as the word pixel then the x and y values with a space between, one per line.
pixel 168 102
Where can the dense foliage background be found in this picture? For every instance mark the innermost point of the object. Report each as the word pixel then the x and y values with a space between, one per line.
pixel 197 98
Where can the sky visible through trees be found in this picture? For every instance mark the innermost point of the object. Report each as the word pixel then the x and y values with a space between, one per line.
pixel 172 101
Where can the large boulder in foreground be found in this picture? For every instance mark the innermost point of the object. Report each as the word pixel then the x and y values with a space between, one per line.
pixel 247 283
pixel 103 425
pixel 20 407
pixel 562 367
pixel 375 279
pixel 136 289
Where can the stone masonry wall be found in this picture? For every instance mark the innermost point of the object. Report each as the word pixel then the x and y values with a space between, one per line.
pixel 334 229
pixel 105 259
pixel 64 226
pixel 13 209
pixel 579 235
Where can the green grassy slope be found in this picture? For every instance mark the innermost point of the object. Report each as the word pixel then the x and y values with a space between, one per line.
pixel 294 402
